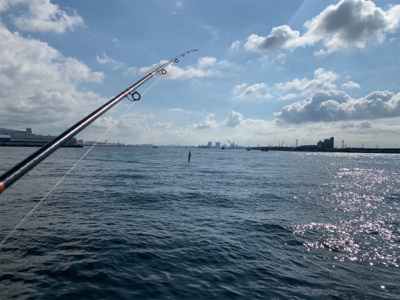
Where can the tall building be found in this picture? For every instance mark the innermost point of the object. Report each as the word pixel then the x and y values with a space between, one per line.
pixel 209 144
pixel 217 144
pixel 326 144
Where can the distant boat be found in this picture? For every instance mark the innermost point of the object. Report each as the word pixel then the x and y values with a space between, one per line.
pixel 154 146
pixel 222 148
pixel 248 149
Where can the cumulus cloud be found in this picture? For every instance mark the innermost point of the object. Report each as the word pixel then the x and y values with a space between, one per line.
pixel 334 106
pixel 234 119
pixel 38 83
pixel 243 92
pixel 208 123
pixel 43 16
pixel 280 37
pixel 105 60
pixel 322 80
pixel 350 22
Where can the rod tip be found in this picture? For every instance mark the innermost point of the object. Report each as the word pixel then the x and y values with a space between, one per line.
pixel 1 187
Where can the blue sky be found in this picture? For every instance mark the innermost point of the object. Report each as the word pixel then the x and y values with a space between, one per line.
pixel 266 71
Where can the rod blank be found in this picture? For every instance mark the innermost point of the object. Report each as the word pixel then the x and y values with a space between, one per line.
pixel 16 172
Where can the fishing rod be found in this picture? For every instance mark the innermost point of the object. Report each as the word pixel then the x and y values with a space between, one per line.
pixel 16 172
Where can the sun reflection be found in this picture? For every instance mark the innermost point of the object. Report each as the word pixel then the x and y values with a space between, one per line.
pixel 362 224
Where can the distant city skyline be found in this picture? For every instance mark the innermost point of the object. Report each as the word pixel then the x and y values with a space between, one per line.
pixel 28 133
pixel 266 72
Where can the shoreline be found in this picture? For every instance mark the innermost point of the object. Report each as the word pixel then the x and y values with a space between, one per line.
pixel 334 150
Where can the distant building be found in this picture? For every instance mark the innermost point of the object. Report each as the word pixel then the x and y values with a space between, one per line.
pixel 24 135
pixel 308 148
pixel 209 144
pixel 5 138
pixel 27 137
pixel 327 144
pixel 217 144
pixel 90 143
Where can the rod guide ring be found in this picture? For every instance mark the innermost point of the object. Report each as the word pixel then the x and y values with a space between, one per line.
pixel 135 96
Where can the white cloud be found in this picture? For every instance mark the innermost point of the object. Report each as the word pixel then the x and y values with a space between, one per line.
pixel 43 16
pixel 180 110
pixel 287 97
pixel 208 123
pixel 281 58
pixel 338 106
pixel 105 60
pixel 350 85
pixel 178 3
pixel 133 125
pixel 162 125
pixel 176 73
pixel 236 45
pixel 267 60
pixel 242 92
pixel 280 37
pixel 358 125
pixel 130 72
pixel 206 66
pixel 238 89
pixel 322 80
pixel 350 22
pixel 234 119
pixel 115 41
pixel 225 63
pixel 207 61
pixel 105 122
pixel 38 83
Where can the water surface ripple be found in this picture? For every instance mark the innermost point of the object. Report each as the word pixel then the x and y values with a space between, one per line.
pixel 231 224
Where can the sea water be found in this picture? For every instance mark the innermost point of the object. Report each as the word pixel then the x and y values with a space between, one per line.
pixel 144 223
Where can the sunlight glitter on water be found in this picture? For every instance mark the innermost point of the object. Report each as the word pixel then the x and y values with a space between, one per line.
pixel 143 223
pixel 365 212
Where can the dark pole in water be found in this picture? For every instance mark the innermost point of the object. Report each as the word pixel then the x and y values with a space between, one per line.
pixel 189 156
pixel 16 172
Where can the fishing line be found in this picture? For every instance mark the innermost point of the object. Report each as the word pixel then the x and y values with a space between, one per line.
pixel 69 171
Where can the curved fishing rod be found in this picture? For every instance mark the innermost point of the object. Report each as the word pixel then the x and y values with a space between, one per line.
pixel 16 172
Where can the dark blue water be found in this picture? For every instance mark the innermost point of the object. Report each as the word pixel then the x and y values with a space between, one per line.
pixel 144 223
